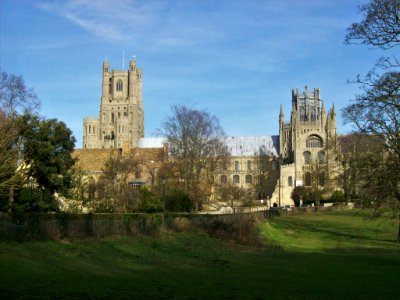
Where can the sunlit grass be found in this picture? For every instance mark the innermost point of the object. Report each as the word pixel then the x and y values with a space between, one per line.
pixel 318 232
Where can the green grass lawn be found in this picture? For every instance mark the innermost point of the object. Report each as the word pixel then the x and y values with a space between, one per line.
pixel 319 256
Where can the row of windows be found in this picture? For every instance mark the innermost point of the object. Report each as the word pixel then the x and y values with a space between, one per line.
pixel 91 129
pixel 308 158
pixel 308 179
pixel 310 116
pixel 114 116
pixel 274 165
pixel 236 179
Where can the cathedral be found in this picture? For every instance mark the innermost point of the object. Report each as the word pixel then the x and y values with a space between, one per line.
pixel 267 167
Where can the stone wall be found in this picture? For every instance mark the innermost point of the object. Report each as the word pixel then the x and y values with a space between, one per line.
pixel 92 161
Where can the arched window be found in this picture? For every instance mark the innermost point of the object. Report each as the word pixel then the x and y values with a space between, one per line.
pixel 249 179
pixel 303 116
pixel 321 157
pixel 224 165
pixel 314 141
pixel 312 114
pixel 249 166
pixel 119 85
pixel 321 179
pixel 290 181
pixel 236 166
pixel 307 179
pixel 307 157
pixel 236 179
pixel 224 179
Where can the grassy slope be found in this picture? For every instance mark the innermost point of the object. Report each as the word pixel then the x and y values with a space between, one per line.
pixel 312 256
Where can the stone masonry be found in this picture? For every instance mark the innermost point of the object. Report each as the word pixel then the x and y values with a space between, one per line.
pixel 121 110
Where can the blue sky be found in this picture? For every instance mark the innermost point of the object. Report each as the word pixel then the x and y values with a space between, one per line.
pixel 237 59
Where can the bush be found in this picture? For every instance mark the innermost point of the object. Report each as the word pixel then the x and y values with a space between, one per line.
pixel 149 202
pixel 178 201
pixel 312 196
pixel 34 200
pixel 338 196
pixel 308 195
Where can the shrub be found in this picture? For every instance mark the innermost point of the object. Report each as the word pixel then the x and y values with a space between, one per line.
pixel 34 200
pixel 178 201
pixel 338 196
pixel 308 195
pixel 312 196
pixel 149 202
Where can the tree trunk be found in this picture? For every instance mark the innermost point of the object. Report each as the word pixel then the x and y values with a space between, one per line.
pixel 11 198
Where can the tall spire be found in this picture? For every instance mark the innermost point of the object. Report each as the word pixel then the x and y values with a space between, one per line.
pixel 281 117
pixel 333 110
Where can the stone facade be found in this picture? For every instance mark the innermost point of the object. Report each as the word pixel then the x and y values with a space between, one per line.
pixel 307 145
pixel 121 110
pixel 92 161
pixel 253 165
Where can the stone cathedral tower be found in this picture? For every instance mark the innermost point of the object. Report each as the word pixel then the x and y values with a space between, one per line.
pixel 121 111
pixel 307 143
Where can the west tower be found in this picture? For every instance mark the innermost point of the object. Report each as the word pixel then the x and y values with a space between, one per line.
pixel 121 118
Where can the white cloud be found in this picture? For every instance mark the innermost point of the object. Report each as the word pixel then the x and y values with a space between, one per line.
pixel 111 20
pixel 99 28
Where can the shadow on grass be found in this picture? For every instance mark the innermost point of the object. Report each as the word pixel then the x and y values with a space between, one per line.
pixel 337 231
pixel 189 266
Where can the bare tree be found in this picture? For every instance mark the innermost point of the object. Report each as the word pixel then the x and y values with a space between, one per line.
pixel 377 110
pixel 15 97
pixel 266 177
pixel 354 150
pixel 9 175
pixel 196 145
pixel 113 192
pixel 232 194
pixel 380 26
